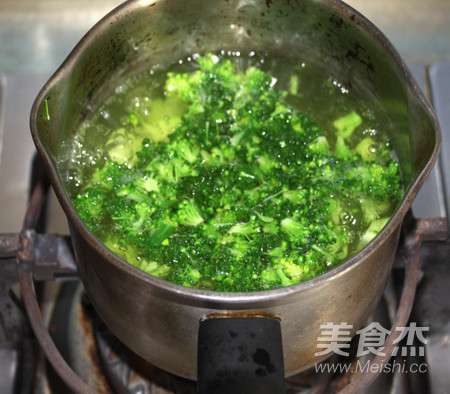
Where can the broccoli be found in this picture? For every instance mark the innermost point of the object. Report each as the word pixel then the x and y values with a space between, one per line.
pixel 293 228
pixel 224 186
pixel 119 147
pixel 159 119
pixel 132 193
pixel 342 151
pixel 367 148
pixel 284 273
pixel 296 196
pixel 156 121
pixel 319 145
pixel 374 228
pixel 189 214
pixel 244 228
pixel 347 124
pixel 90 206
pixel 154 268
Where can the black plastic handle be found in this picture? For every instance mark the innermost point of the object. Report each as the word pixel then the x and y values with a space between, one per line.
pixel 240 355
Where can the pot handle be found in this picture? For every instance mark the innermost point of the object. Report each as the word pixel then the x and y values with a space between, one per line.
pixel 240 355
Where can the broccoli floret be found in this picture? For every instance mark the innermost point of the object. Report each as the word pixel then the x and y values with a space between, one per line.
pixel 283 273
pixel 379 181
pixel 154 268
pixel 269 276
pixel 181 169
pixel 293 228
pixel 90 207
pixel 218 156
pixel 342 151
pixel 130 192
pixel 266 164
pixel 122 249
pixel 248 228
pixel 372 231
pixel 189 214
pixel 338 251
pixel 296 196
pixel 292 270
pixel 368 149
pixel 160 119
pixel 120 146
pixel 222 185
pixel 285 281
pixel 192 276
pixel 146 184
pixel 373 210
pixel 184 86
pixel 347 124
pixel 319 145
pixel 185 150
pixel 105 178
pixel 293 85
pixel 239 247
pixel 143 213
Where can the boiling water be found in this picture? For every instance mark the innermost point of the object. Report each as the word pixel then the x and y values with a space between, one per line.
pixel 111 132
pixel 310 91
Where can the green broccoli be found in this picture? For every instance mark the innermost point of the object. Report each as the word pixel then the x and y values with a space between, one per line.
pixel 347 124
pixel 368 149
pixel 296 196
pixel 90 207
pixel 130 192
pixel 154 268
pixel 319 145
pixel 221 185
pixel 245 229
pixel 342 151
pixel 293 228
pixel 120 146
pixel 374 228
pixel 188 214
pixel 283 273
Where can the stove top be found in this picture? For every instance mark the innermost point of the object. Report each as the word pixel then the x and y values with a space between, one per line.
pixel 20 358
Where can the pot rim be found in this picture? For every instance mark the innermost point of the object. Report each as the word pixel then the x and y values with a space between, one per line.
pixel 236 300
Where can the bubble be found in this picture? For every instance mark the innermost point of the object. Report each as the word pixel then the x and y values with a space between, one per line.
pixel 373 148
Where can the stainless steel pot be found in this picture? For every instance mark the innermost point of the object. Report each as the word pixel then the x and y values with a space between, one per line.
pixel 160 320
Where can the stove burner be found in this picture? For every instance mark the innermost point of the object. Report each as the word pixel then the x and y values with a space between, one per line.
pixel 129 373
pixel 98 357
pixel 108 366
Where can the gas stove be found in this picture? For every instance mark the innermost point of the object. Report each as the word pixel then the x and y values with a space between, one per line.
pixel 87 345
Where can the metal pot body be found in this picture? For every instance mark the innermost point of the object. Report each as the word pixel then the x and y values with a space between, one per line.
pixel 159 320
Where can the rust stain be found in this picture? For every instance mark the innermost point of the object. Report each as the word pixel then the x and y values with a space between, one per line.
pixel 256 313
pixel 86 324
